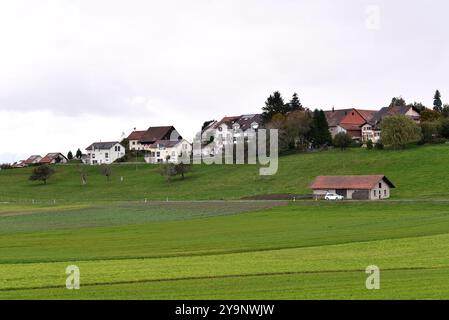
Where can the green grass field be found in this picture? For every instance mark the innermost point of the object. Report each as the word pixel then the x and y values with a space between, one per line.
pixel 228 249
pixel 418 173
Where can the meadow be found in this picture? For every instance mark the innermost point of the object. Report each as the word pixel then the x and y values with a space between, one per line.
pixel 418 172
pixel 127 248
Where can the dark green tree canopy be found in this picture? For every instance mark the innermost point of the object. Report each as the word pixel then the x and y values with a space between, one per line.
pixel 42 173
pixel 342 140
pixel 295 104
pixel 79 154
pixel 274 105
pixel 437 103
pixel 70 155
pixel 319 133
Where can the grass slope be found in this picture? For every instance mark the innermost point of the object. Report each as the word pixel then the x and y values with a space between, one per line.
pixel 419 172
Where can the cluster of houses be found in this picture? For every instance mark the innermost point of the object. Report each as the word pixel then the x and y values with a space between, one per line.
pixel 364 125
pixel 165 144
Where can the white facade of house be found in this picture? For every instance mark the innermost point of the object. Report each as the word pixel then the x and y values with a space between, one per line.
pixel 168 151
pixel 136 145
pixel 336 130
pixel 103 153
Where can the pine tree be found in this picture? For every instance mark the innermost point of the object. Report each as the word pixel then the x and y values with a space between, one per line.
pixel 295 103
pixel 437 103
pixel 319 133
pixel 274 105
pixel 70 155
pixel 79 154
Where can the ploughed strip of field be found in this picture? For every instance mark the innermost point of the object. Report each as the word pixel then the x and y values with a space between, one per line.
pixel 233 250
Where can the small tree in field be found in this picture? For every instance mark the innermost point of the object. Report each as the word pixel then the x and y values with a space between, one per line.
pixel 106 170
pixel 399 130
pixel 182 169
pixel 42 173
pixel 370 144
pixel 342 140
pixel 70 155
pixel 167 170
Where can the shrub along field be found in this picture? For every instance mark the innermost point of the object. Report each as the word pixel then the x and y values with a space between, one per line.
pixel 418 172
pixel 228 249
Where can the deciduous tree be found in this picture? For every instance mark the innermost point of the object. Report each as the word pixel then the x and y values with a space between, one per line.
pixel 42 173
pixel 399 130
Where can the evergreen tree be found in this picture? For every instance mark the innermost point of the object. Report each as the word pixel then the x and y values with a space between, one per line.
pixel 274 105
pixel 295 104
pixel 319 133
pixel 437 103
pixel 397 102
pixel 70 155
pixel 79 154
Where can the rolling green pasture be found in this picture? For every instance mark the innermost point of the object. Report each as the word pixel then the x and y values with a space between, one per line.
pixel 233 250
pixel 419 172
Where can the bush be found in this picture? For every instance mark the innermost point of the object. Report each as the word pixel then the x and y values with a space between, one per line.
pixel 42 173
pixel 342 140
pixel 5 166
pixel 379 145
pixel 369 144
pixel 444 128
pixel 431 131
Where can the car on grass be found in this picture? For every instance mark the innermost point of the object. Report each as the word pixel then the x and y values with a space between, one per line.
pixel 333 197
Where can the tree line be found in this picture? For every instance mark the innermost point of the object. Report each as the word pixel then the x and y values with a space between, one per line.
pixel 299 128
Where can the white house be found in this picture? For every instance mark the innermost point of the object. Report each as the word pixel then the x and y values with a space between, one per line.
pixel 104 152
pixel 217 134
pixel 168 151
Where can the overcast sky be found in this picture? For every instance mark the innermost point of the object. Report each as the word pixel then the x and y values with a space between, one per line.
pixel 73 72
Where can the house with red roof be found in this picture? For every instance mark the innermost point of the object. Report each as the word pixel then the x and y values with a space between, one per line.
pixel 350 121
pixel 54 158
pixel 374 187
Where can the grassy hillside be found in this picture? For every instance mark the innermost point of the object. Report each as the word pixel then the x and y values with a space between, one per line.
pixel 302 250
pixel 419 172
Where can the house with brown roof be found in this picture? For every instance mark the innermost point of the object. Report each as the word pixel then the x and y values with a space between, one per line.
pixel 134 140
pixel 142 140
pixel 374 187
pixel 54 158
pixel 34 159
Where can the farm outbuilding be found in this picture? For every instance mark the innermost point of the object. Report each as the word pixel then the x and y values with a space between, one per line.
pixel 376 187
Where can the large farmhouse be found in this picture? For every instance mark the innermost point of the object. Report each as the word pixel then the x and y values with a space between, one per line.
pixel 144 140
pixel 353 187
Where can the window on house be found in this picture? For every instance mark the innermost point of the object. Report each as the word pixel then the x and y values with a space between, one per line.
pixel 106 155
pixel 380 185
pixel 93 155
pixel 385 192
pixel 158 154
pixel 375 193
pixel 134 142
